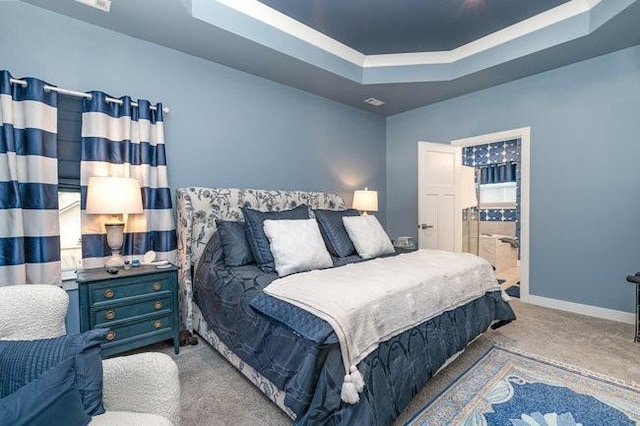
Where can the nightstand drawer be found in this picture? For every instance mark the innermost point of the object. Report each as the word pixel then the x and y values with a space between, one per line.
pixel 103 316
pixel 109 292
pixel 138 330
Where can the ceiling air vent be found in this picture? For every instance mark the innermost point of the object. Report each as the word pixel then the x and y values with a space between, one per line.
pixel 374 102
pixel 103 5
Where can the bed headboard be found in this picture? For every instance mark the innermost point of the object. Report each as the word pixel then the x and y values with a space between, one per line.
pixel 198 208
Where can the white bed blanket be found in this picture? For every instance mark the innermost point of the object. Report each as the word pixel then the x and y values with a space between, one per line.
pixel 369 302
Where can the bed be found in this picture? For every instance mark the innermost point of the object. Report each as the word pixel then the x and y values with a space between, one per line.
pixel 291 355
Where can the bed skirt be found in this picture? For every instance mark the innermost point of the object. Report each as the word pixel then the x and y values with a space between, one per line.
pixel 272 392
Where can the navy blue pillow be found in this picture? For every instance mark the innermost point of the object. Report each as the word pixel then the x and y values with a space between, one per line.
pixel 333 231
pixel 258 241
pixel 54 398
pixel 23 361
pixel 234 243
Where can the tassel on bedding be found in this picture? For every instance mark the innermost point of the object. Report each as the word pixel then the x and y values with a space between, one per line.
pixel 353 384
pixel 356 378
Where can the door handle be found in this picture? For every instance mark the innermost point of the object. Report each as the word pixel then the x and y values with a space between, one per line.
pixel 424 226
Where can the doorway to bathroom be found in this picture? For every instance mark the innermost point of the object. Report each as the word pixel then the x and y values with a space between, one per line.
pixel 496 227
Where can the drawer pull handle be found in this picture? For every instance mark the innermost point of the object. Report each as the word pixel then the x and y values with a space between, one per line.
pixel 156 286
pixel 109 293
pixel 110 335
pixel 109 315
pixel 157 324
pixel 157 305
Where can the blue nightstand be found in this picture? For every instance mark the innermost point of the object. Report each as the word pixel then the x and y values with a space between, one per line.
pixel 139 306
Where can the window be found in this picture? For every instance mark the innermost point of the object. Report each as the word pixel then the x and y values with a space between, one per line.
pixel 498 195
pixel 70 231
pixel 69 138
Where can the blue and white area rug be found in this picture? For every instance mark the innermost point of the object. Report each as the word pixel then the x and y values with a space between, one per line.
pixel 509 388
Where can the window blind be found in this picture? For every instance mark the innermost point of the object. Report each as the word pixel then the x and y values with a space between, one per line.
pixel 69 137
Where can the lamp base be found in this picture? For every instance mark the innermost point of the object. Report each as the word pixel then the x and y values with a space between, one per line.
pixel 115 239
pixel 114 261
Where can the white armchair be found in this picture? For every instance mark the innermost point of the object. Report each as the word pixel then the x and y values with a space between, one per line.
pixel 141 389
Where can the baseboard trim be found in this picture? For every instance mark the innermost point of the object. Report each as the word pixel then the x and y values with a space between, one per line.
pixel 578 308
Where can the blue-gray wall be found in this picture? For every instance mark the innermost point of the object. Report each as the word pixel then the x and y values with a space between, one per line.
pixel 229 128
pixel 226 128
pixel 585 173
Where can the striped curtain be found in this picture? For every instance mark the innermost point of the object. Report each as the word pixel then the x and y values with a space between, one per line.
pixel 29 225
pixel 126 141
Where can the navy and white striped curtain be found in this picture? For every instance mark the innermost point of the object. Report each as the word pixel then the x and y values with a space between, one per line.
pixel 127 141
pixel 498 173
pixel 29 225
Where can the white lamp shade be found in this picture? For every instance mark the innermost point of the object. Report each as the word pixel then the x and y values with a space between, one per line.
pixel 113 195
pixel 468 187
pixel 365 200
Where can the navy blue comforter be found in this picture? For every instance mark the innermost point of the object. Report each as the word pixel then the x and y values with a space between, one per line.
pixel 300 353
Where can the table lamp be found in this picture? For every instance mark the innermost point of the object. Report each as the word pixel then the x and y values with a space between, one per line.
pixel 365 201
pixel 116 196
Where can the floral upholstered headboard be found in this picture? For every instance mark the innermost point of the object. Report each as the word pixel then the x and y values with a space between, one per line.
pixel 198 208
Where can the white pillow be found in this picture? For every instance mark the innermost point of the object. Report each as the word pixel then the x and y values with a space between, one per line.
pixel 296 245
pixel 367 236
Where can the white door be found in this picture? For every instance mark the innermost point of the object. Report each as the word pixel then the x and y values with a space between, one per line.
pixel 438 207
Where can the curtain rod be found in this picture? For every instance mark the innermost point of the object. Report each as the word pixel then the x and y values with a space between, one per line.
pixel 62 91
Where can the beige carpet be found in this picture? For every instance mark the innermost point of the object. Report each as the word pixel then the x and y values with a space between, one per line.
pixel 214 393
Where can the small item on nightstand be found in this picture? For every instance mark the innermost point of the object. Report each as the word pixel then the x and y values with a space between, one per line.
pixel 112 270
pixel 164 266
pixel 127 264
pixel 135 263
pixel 149 257
pixel 404 242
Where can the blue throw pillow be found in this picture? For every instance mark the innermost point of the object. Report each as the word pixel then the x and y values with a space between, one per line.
pixel 23 361
pixel 54 398
pixel 333 231
pixel 258 241
pixel 234 243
